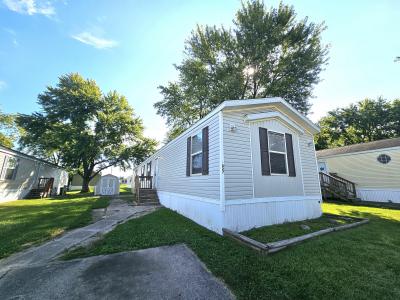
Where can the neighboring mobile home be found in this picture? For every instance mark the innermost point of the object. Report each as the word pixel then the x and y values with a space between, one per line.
pixel 77 181
pixel 21 173
pixel 373 167
pixel 248 163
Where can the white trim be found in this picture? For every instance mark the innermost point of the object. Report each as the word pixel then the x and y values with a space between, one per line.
pixel 301 164
pixel 316 165
pixel 278 152
pixel 251 159
pixel 221 162
pixel 272 199
pixel 273 115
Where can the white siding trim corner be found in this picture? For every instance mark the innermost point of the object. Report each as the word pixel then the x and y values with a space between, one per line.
pixel 221 161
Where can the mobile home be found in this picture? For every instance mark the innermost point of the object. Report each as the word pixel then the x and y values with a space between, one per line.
pixel 21 173
pixel 248 163
pixel 373 167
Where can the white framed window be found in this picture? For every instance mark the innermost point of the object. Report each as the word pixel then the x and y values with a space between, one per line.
pixel 9 169
pixel 196 154
pixel 277 153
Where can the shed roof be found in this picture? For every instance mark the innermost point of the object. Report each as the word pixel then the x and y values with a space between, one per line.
pixel 381 144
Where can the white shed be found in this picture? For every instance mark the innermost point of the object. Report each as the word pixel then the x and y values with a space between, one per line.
pixel 108 185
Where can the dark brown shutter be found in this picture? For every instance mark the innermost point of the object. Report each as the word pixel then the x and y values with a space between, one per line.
pixel 290 156
pixel 205 151
pixel 265 168
pixel 188 150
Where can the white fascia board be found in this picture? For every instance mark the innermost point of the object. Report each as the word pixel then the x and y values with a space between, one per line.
pixel 274 115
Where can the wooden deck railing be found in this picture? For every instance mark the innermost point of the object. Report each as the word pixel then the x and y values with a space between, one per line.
pixel 338 185
pixel 45 185
pixel 142 183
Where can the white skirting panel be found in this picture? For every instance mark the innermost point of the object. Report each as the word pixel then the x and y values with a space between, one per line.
pixel 205 212
pixel 12 194
pixel 379 195
pixel 240 215
pixel 245 216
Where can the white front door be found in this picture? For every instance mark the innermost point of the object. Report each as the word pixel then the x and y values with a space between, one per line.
pixel 322 167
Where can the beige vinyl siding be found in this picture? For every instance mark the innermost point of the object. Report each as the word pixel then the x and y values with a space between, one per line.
pixel 172 165
pixel 363 168
pixel 239 158
pixel 275 185
pixel 309 165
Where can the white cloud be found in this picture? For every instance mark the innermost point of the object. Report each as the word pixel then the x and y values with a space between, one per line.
pixel 89 38
pixel 31 7
pixel 3 85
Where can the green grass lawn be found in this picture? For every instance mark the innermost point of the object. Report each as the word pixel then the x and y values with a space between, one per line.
pixel 24 223
pixel 275 233
pixel 360 263
pixel 124 189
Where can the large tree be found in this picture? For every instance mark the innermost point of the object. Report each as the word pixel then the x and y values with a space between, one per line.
pixel 366 121
pixel 84 129
pixel 8 130
pixel 268 52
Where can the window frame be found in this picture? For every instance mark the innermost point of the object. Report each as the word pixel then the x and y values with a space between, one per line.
pixel 200 132
pixel 4 168
pixel 278 152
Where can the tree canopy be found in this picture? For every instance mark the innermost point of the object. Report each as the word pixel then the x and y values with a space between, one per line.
pixel 8 130
pixel 366 121
pixel 85 130
pixel 267 52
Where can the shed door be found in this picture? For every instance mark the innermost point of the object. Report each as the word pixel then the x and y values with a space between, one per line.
pixel 107 186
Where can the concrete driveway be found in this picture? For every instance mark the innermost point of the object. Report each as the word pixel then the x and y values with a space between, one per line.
pixel 171 272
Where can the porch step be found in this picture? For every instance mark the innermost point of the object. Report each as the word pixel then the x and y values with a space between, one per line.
pixel 148 197
pixel 34 194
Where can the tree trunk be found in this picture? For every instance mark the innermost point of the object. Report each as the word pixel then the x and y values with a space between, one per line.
pixel 85 183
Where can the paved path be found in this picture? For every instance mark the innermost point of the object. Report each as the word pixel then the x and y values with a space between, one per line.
pixel 171 272
pixel 117 212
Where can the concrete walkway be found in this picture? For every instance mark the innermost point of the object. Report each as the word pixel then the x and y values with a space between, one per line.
pixel 117 212
pixel 170 272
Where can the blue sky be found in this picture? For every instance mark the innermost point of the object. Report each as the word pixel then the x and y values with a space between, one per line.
pixel 131 46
